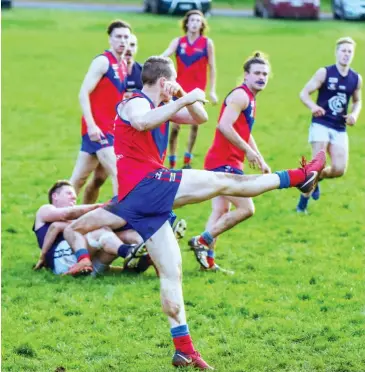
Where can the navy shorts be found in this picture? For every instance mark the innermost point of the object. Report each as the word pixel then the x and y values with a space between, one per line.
pixel 92 147
pixel 149 205
pixel 227 169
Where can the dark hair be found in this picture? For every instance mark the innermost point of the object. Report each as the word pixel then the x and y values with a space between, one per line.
pixel 185 20
pixel 56 187
pixel 156 67
pixel 118 24
pixel 256 58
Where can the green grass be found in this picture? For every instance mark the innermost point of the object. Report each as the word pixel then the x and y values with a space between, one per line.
pixel 296 302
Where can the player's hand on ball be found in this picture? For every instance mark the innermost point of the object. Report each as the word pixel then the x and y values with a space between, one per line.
pixel 318 111
pixel 95 133
pixel 350 119
pixel 213 97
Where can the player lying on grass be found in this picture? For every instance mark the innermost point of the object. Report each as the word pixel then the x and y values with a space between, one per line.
pixel 148 191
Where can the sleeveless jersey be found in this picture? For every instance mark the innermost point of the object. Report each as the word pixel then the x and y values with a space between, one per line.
pixel 41 234
pixel 192 63
pixel 138 152
pixel 107 93
pixel 223 152
pixel 334 96
pixel 134 80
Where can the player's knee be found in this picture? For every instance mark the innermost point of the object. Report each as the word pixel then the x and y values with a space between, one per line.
pixel 175 131
pixel 245 213
pixel 338 171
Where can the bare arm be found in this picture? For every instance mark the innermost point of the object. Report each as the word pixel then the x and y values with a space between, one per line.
pixel 49 213
pixel 139 113
pixel 313 84
pixel 238 101
pixel 352 117
pixel 265 168
pixel 97 69
pixel 212 71
pixel 171 48
pixel 49 239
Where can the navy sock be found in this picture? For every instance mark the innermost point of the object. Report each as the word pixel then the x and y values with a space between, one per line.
pixel 179 331
pixel 123 250
pixel 284 179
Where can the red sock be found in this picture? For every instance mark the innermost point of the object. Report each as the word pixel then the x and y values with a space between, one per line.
pixel 202 241
pixel 296 176
pixel 187 160
pixel 172 163
pixel 184 344
pixel 211 261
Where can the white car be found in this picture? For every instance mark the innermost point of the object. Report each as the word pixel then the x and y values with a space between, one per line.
pixel 348 9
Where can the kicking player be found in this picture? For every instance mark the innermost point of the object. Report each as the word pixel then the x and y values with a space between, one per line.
pixel 102 88
pixel 233 142
pixel 336 85
pixel 134 80
pixel 148 191
pixel 193 52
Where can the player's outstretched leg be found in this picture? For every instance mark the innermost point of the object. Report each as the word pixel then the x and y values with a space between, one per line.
pixel 197 185
pixel 165 253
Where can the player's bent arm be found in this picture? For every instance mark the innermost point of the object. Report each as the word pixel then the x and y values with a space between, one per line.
pixel 171 48
pixel 191 114
pixel 212 66
pixel 313 84
pixel 357 100
pixel 237 101
pixel 97 69
pixel 49 213
pixel 52 233
pixel 139 113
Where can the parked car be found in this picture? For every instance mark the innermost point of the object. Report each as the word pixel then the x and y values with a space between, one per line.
pixel 307 9
pixel 176 6
pixel 5 4
pixel 348 9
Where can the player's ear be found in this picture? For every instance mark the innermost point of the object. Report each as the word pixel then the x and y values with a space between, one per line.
pixel 162 82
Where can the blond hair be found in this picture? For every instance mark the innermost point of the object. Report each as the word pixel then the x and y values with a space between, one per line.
pixel 345 40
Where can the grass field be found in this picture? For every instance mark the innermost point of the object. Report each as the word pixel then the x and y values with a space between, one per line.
pixel 296 301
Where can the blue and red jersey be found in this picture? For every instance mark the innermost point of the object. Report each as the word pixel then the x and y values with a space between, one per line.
pixel 192 63
pixel 223 152
pixel 334 96
pixel 138 152
pixel 107 93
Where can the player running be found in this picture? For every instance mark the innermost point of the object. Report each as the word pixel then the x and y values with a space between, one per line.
pixel 148 194
pixel 336 85
pixel 233 142
pixel 194 52
pixel 101 90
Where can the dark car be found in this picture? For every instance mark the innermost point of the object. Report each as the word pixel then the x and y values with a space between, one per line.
pixel 176 6
pixel 348 9
pixel 306 9
pixel 5 4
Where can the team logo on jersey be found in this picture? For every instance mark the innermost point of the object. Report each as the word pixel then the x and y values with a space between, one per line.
pixel 337 103
pixel 333 80
pixel 342 87
pixel 198 50
pixel 331 86
pixel 115 67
